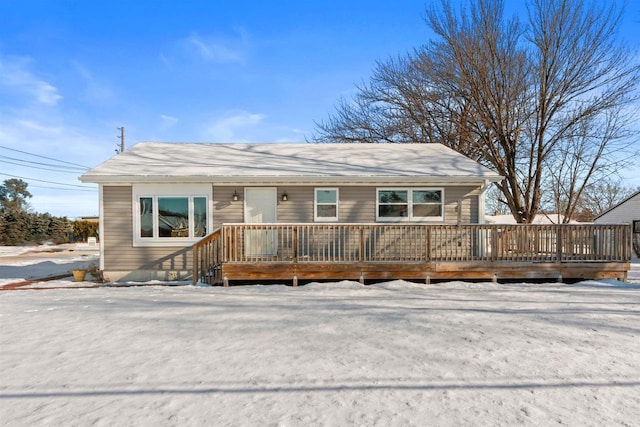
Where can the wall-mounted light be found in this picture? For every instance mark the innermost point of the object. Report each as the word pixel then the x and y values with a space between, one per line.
pixel 235 196
pixel 285 197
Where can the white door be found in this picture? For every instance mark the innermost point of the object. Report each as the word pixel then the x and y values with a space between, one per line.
pixel 260 206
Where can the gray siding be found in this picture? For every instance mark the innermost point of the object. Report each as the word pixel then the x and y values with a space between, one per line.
pixel 225 210
pixel 468 197
pixel 357 204
pixel 299 207
pixel 119 253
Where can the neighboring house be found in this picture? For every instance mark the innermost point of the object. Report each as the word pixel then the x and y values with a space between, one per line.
pixel 543 218
pixel 625 212
pixel 158 199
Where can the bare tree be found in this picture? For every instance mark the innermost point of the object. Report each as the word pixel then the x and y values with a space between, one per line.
pixel 590 155
pixel 543 103
pixel 600 196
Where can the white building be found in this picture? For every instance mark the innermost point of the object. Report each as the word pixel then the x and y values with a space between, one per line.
pixel 625 212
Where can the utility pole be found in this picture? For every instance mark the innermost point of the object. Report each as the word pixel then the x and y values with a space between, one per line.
pixel 121 140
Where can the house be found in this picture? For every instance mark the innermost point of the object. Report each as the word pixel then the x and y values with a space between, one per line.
pixel 542 218
pixel 285 211
pixel 625 212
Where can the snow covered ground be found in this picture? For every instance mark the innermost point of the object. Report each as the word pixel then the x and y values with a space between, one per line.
pixel 20 263
pixel 394 353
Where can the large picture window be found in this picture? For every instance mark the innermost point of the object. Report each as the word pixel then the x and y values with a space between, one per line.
pixel 419 204
pixel 326 204
pixel 164 218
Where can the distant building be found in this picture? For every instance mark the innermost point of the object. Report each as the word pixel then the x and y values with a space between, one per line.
pixel 544 218
pixel 625 212
pixel 90 218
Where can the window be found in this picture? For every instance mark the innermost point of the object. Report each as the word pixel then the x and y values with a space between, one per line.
pixel 326 204
pixel 410 204
pixel 163 216
pixel 636 226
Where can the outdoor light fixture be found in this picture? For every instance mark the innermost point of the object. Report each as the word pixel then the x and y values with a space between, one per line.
pixel 285 197
pixel 235 196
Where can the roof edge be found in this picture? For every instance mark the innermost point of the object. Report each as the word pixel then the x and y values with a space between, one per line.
pixel 291 180
pixel 616 205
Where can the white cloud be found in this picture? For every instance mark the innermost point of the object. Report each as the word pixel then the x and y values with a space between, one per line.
pixel 218 50
pixel 167 121
pixel 94 91
pixel 40 128
pixel 234 126
pixel 15 76
pixel 164 60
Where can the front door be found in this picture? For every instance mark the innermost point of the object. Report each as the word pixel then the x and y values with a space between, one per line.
pixel 260 206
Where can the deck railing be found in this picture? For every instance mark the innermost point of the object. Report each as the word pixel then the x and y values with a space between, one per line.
pixel 370 243
pixel 207 259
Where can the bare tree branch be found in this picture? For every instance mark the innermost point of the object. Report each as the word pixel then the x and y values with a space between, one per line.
pixel 542 102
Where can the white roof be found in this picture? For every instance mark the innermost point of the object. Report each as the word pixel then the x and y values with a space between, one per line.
pixel 291 163
pixel 549 218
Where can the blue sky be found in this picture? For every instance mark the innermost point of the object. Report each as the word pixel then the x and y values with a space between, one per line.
pixel 72 72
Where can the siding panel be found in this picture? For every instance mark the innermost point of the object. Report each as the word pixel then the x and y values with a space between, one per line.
pixel 225 210
pixel 623 213
pixel 357 204
pixel 119 253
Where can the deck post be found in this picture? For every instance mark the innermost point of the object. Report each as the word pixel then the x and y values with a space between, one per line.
pixel 558 244
pixel 295 281
pixel 195 274
pixel 361 279
pixel 427 280
pixel 495 236
pixel 295 245
pixel 225 282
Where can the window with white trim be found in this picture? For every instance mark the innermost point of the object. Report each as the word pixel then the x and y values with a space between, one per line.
pixel 326 202
pixel 169 215
pixel 404 204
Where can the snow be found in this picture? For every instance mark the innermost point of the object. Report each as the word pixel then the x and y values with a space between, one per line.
pixel 20 263
pixel 552 218
pixel 394 353
pixel 156 161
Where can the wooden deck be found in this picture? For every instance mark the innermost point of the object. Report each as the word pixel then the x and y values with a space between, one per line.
pixel 419 252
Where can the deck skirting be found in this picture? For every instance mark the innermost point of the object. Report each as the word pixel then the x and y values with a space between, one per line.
pixel 424 271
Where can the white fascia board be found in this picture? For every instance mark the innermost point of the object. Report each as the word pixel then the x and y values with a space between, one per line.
pixel 294 180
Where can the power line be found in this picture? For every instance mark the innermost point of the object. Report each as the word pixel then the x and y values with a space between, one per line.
pixel 37 167
pixel 43 164
pixel 41 180
pixel 62 189
pixel 44 157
